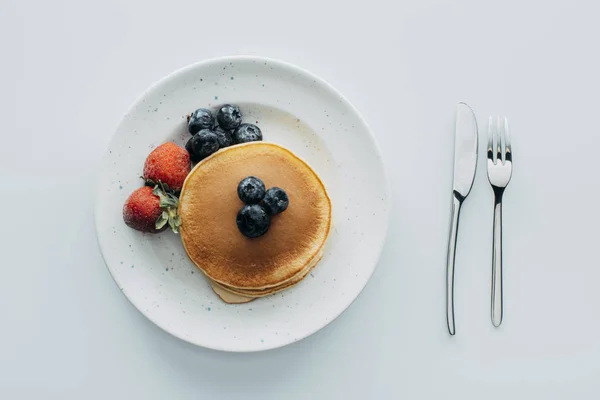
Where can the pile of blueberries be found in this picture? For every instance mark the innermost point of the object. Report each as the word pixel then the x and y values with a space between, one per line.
pixel 209 136
pixel 254 218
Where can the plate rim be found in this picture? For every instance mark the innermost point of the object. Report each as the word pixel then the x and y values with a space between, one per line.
pixel 297 69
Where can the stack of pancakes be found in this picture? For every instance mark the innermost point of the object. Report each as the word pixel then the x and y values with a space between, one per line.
pixel 238 268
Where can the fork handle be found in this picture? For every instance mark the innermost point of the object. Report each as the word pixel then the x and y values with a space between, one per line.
pixel 497 262
pixel 456 203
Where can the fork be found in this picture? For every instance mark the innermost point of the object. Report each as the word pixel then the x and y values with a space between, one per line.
pixel 499 169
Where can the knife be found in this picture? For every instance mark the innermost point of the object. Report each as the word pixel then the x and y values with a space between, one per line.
pixel 465 163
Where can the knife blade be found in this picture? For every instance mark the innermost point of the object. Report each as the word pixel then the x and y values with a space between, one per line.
pixel 465 164
pixel 465 150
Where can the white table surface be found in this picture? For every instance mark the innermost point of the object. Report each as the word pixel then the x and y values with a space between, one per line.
pixel 70 70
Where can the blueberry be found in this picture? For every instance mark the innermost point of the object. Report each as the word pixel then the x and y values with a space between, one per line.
pixel 247 133
pixel 253 221
pixel 229 117
pixel 251 190
pixel 200 119
pixel 203 144
pixel 275 201
pixel 190 149
pixel 224 136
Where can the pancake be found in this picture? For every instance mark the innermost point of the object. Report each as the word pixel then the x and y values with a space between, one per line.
pixel 243 267
pixel 255 293
pixel 228 297
pixel 238 296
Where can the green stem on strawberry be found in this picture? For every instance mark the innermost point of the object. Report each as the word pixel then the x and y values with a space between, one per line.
pixel 168 204
pixel 164 186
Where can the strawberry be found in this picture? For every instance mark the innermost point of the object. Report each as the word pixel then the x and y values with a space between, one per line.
pixel 149 210
pixel 169 164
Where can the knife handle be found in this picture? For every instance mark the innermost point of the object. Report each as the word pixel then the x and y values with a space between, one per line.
pixel 456 203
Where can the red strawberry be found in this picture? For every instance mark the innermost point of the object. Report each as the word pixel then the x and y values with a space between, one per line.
pixel 142 209
pixel 169 164
pixel 149 210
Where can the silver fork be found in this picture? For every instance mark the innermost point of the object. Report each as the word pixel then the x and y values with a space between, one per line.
pixel 499 168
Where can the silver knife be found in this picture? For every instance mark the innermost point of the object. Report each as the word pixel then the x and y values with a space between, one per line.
pixel 465 164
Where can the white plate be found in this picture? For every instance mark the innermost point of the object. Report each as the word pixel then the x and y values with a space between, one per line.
pixel 293 108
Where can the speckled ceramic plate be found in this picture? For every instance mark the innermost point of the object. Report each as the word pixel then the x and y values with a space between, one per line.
pixel 293 108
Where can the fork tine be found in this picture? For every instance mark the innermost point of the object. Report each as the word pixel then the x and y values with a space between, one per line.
pixel 490 148
pixel 498 141
pixel 508 149
pixel 502 144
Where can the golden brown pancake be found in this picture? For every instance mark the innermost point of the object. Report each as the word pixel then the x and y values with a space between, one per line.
pixel 238 265
pixel 228 297
pixel 238 296
pixel 265 292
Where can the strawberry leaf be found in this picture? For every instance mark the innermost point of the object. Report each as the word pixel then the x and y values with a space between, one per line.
pixel 161 221
pixel 177 221
pixel 174 225
pixel 168 203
